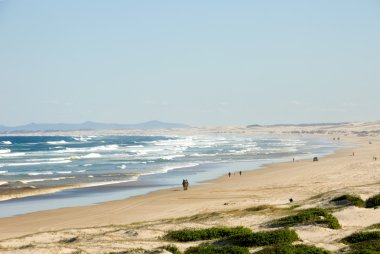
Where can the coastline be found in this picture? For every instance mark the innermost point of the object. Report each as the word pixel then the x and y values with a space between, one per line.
pixel 266 185
pixel 40 198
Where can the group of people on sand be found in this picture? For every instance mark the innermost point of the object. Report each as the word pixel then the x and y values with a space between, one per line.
pixel 229 173
pixel 185 184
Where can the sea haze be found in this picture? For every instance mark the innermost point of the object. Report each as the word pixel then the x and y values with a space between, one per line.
pixel 120 166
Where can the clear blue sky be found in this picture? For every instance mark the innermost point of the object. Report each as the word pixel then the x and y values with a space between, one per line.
pixel 197 62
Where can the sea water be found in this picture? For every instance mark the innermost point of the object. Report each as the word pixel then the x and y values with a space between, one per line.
pixel 102 168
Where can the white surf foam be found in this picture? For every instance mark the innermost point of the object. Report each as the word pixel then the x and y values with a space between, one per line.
pixel 64 172
pixel 132 179
pixel 43 179
pixel 56 142
pixel 122 166
pixel 7 142
pixel 7 155
pixel 2 151
pixel 40 173
pixel 173 167
pixel 3 183
pixel 89 149
pixel 171 157
pixel 3 172
pixel 91 156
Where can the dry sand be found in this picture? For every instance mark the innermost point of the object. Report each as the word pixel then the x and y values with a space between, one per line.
pixel 138 222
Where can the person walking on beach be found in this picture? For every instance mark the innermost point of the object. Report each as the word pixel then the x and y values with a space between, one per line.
pixel 185 184
pixel 229 174
pixel 239 172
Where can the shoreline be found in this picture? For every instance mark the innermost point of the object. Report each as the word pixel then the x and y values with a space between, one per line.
pixel 251 189
pixel 121 190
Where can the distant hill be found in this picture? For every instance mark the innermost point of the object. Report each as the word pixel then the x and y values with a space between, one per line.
pixel 49 127
pixel 298 125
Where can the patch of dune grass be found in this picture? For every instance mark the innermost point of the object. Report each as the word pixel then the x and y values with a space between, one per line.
pixel 373 201
pixel 310 216
pixel 374 226
pixel 349 200
pixel 259 208
pixel 368 247
pixel 293 249
pixel 187 235
pixel 365 242
pixel 212 249
pixel 280 236
pixel 362 237
pixel 171 248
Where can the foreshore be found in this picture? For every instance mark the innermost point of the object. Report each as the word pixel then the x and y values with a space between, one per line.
pixel 273 184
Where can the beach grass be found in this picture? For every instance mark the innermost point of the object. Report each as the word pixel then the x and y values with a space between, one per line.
pixel 362 237
pixel 280 236
pixel 318 216
pixel 293 249
pixel 374 226
pixel 171 248
pixel 212 249
pixel 373 201
pixel 349 200
pixel 365 242
pixel 187 235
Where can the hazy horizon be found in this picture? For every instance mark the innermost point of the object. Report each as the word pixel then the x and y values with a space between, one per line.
pixel 201 63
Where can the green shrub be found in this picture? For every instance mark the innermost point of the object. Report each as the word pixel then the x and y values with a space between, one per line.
pixel 280 236
pixel 307 217
pixel 374 226
pixel 293 249
pixel 259 208
pixel 367 247
pixel 187 235
pixel 171 248
pixel 349 200
pixel 211 249
pixel 373 201
pixel 362 237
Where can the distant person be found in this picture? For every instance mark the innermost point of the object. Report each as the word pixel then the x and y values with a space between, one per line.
pixel 229 174
pixel 184 184
pixel 293 159
pixel 239 172
pixel 353 154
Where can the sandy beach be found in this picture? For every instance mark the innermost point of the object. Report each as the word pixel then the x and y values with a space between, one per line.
pixel 310 184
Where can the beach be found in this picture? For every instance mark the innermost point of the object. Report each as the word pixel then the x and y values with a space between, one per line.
pixel 310 184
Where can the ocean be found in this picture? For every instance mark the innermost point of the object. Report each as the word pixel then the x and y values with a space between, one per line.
pixel 84 170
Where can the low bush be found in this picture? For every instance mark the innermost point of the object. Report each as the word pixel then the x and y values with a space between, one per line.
pixel 293 249
pixel 307 217
pixel 280 236
pixel 212 249
pixel 374 226
pixel 368 247
pixel 362 237
pixel 373 201
pixel 171 248
pixel 349 200
pixel 187 235
pixel 259 208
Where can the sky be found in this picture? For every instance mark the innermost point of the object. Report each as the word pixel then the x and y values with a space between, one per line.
pixel 197 62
